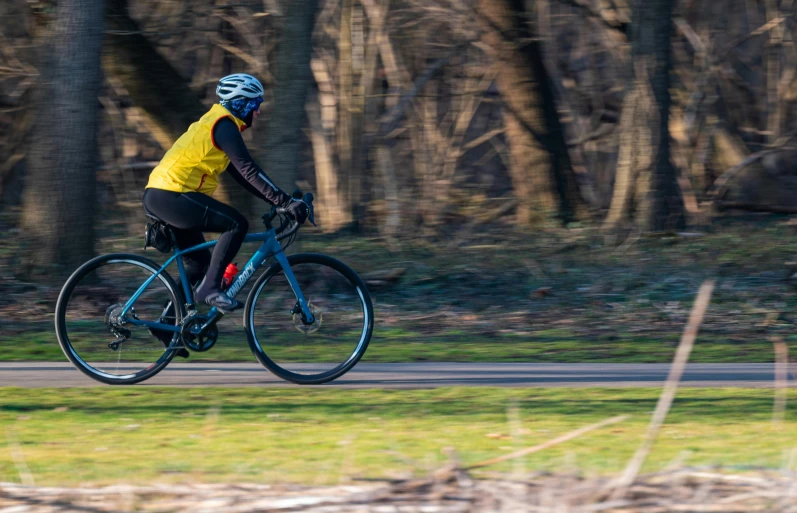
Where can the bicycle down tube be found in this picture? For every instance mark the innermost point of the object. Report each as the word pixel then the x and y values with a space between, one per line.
pixel 270 247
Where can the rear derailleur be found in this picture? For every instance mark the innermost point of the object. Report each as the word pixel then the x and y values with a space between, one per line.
pixel 115 323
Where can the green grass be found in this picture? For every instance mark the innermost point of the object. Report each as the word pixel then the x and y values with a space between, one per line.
pixel 396 345
pixel 97 436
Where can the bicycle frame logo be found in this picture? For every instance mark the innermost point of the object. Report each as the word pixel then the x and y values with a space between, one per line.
pixel 247 273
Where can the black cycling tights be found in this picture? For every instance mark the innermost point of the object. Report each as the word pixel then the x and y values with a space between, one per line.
pixel 191 214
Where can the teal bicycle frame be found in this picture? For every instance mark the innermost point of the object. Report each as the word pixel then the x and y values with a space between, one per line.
pixel 270 247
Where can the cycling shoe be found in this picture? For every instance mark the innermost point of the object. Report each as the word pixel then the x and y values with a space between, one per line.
pixel 223 302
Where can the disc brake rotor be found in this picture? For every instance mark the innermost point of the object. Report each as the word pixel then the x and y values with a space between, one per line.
pixel 307 329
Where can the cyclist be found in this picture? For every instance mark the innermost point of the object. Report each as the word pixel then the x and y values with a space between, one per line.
pixel 179 188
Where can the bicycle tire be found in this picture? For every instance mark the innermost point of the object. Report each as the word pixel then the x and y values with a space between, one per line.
pixel 368 322
pixel 61 323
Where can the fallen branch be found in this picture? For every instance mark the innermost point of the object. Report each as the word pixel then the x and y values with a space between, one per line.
pixel 18 457
pixel 668 394
pixel 481 218
pixel 720 185
pixel 753 207
pixel 781 378
pixel 550 443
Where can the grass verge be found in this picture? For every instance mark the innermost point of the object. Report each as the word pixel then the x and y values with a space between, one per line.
pixel 316 436
pixel 562 296
pixel 399 346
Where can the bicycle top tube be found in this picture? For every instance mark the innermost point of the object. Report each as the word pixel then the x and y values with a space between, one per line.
pixel 269 247
pixel 250 237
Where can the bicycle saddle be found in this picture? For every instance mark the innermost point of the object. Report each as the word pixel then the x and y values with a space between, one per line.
pixel 157 219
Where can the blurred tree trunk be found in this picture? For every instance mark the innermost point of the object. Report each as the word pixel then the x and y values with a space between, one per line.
pixel 363 72
pixel 18 25
pixel 152 82
pixel 645 184
pixel 278 147
pixel 542 174
pixel 348 181
pixel 329 210
pixel 322 116
pixel 168 103
pixel 59 199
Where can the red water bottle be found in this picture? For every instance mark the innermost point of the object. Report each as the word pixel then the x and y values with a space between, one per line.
pixel 229 274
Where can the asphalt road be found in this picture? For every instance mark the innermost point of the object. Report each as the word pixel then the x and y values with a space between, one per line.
pixel 419 375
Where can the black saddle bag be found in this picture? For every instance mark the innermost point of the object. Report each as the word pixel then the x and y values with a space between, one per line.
pixel 158 236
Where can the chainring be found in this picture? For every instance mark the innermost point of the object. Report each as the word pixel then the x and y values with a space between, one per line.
pixel 193 339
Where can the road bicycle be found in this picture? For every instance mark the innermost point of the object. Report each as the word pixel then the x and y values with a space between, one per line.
pixel 308 318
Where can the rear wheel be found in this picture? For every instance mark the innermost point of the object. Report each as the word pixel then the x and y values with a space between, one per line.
pixel 315 353
pixel 94 338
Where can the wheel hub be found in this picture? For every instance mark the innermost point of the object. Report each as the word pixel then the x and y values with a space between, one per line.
pixel 113 316
pixel 301 324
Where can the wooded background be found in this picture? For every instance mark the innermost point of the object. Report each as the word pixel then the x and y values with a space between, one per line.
pixel 406 118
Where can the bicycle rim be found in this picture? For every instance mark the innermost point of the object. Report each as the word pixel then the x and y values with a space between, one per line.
pixel 310 353
pixel 117 352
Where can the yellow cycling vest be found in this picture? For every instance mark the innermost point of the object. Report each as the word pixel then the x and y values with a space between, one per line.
pixel 194 162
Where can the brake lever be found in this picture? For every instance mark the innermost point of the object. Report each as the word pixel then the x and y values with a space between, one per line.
pixel 284 223
pixel 308 200
pixel 268 217
pixel 311 214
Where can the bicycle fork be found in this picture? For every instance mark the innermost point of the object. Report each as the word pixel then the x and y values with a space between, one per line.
pixel 301 303
pixel 272 248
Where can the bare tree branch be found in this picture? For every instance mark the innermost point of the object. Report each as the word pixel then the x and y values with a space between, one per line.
pixel 599 15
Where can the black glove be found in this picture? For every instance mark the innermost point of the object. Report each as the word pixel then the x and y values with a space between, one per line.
pixel 298 210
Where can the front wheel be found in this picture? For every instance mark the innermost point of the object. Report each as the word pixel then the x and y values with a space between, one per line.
pixel 319 352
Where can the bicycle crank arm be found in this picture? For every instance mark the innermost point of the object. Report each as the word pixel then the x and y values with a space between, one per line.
pixel 214 316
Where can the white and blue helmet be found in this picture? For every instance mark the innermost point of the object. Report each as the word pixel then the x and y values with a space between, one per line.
pixel 241 94
pixel 239 85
